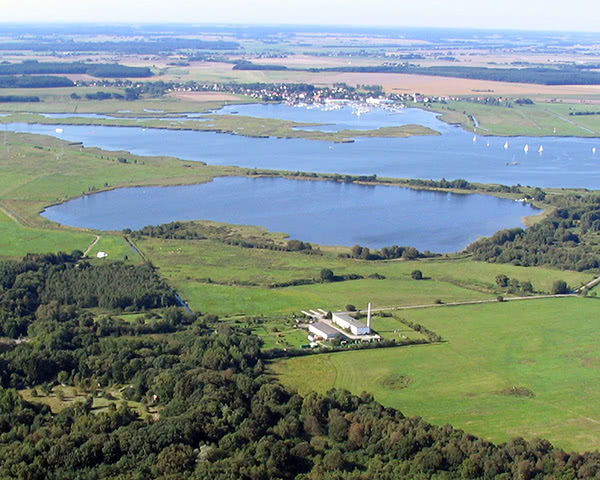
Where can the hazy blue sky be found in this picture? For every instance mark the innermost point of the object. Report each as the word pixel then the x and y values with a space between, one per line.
pixel 519 14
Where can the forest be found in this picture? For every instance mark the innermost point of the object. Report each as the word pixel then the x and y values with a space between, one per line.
pixel 148 46
pixel 69 280
pixel 221 414
pixel 565 239
pixel 37 81
pixel 18 98
pixel 33 67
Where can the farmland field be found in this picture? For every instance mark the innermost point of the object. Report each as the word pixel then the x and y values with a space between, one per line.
pixel 502 371
pixel 231 280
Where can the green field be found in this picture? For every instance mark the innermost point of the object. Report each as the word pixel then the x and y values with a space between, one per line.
pixel 541 119
pixel 546 349
pixel 17 240
pixel 230 280
pixel 58 100
pixel 72 395
pixel 37 171
pixel 234 124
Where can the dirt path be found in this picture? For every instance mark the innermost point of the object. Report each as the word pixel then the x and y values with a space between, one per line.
pixel 589 285
pixel 572 122
pixel 89 248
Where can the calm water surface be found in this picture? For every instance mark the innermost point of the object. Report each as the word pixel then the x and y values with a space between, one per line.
pixel 322 212
pixel 566 162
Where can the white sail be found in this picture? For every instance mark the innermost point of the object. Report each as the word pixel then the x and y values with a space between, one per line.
pixel 541 150
pixel 506 146
pixel 526 149
pixel 475 138
pixel 594 150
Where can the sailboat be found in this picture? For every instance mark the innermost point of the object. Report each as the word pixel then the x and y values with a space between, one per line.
pixel 594 150
pixel 475 138
pixel 526 149
pixel 506 146
pixel 541 150
pixel 488 144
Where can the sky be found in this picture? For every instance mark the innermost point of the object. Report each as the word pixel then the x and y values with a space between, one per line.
pixel 574 15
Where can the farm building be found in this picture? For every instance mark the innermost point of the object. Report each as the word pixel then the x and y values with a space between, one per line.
pixel 346 321
pixel 324 331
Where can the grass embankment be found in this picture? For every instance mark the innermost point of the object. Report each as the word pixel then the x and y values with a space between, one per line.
pixel 538 120
pixel 235 124
pixel 504 370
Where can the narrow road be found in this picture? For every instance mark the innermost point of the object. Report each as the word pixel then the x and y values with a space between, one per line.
pixel 471 302
pixel 88 249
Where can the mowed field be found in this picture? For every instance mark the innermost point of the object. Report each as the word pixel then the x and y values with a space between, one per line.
pixel 504 370
pixel 541 119
pixel 230 280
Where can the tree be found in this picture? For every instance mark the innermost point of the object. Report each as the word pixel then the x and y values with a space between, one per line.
pixel 560 287
pixel 327 275
pixel 350 308
pixel 502 280
pixel 527 286
pixel 417 275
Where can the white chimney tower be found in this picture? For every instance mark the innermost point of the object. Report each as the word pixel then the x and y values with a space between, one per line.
pixel 369 317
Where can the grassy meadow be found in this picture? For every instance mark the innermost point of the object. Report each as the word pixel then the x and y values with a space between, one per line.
pixel 541 119
pixel 17 240
pixel 234 124
pixel 504 370
pixel 230 280
pixel 37 171
pixel 58 100
pixel 62 396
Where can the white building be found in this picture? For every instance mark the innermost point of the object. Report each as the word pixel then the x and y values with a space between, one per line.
pixel 322 330
pixel 346 321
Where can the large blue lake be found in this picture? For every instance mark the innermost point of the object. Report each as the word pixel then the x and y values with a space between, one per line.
pixel 329 213
pixel 322 212
pixel 566 162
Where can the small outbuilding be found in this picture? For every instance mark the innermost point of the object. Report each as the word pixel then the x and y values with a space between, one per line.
pixel 102 255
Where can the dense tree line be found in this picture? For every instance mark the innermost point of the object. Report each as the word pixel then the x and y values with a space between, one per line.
pixel 63 278
pixel 33 67
pixel 35 81
pixel 386 253
pixel 247 65
pixel 18 98
pixel 538 75
pixel 558 241
pixel 566 75
pixel 148 46
pixel 459 183
pixel 221 233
